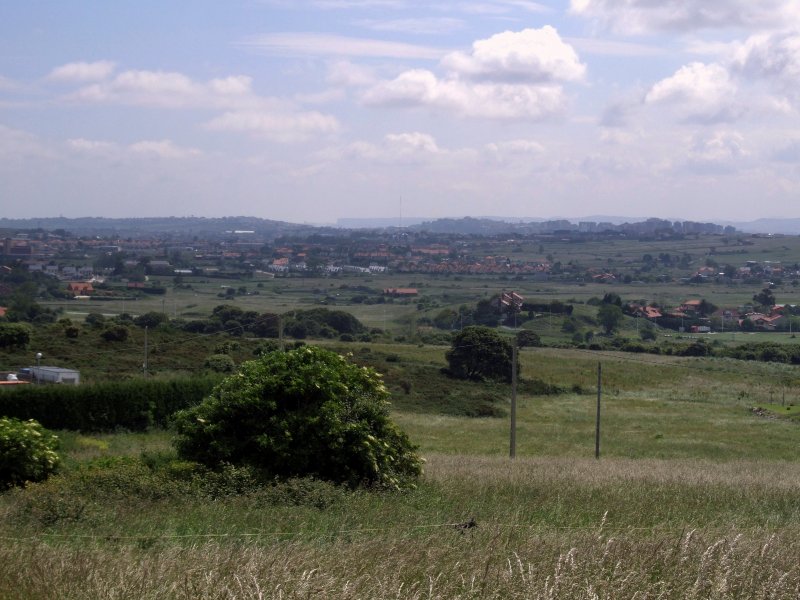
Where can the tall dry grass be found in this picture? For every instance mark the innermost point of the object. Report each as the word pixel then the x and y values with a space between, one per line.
pixel 490 563
pixel 547 528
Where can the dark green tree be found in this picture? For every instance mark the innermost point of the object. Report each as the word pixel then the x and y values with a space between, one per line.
pixel 486 313
pixel 612 298
pixel 151 319
pixel 526 337
pixel 765 298
pixel 115 333
pixel 609 316
pixel 305 412
pixel 15 335
pixel 480 353
pixel 706 308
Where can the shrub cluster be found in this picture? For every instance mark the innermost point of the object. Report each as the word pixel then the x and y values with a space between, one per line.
pixel 27 452
pixel 134 405
pixel 305 412
pixel 321 322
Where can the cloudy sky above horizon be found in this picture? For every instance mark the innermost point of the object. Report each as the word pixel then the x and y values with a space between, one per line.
pixel 311 110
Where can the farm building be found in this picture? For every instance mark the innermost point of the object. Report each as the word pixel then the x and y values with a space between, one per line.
pixel 55 375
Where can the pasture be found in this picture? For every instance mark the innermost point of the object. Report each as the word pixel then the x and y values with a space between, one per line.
pixel 694 496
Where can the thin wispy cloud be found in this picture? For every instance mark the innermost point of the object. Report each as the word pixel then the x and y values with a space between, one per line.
pixel 327 45
pixel 418 26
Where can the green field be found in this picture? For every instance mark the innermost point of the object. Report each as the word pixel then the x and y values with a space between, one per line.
pixel 694 495
pixel 360 294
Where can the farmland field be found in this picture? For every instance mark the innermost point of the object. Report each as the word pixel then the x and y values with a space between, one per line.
pixel 695 493
pixel 694 496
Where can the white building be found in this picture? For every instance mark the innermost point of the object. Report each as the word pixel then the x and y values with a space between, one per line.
pixel 55 375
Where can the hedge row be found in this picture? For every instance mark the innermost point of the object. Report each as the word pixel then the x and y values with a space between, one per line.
pixel 133 405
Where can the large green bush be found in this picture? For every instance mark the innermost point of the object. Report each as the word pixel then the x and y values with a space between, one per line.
pixel 27 452
pixel 306 412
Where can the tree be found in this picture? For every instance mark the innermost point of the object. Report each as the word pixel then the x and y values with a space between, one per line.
pixel 486 314
pixel 115 333
pixel 526 337
pixel 305 412
pixel 480 353
pixel 765 298
pixel 612 298
pixel 151 319
pixel 610 316
pixel 266 325
pixel 648 333
pixel 706 308
pixel 15 335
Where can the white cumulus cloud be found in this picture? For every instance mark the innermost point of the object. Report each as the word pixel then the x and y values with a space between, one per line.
pixel 772 57
pixel 699 91
pixel 716 152
pixel 644 16
pixel 512 75
pixel 169 89
pixel 422 88
pixel 530 55
pixel 82 72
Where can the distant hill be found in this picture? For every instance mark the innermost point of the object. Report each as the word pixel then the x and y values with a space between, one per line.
pixel 782 226
pixel 490 225
pixel 157 226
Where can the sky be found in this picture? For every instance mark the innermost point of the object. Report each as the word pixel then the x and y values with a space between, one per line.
pixel 312 110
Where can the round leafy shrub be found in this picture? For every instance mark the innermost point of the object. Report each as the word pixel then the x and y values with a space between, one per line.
pixel 528 338
pixel 305 412
pixel 219 363
pixel 27 452
pixel 151 319
pixel 115 333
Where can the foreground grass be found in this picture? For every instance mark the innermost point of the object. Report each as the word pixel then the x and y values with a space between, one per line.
pixel 546 528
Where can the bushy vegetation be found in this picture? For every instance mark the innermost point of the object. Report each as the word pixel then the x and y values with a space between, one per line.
pixel 479 353
pixel 305 412
pixel 321 322
pixel 134 405
pixel 14 335
pixel 27 452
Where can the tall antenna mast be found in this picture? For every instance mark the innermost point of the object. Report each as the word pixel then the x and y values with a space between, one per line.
pixel 401 211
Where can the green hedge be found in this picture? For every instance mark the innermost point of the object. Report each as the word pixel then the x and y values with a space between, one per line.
pixel 134 405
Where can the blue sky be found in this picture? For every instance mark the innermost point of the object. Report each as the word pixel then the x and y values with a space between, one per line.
pixel 310 110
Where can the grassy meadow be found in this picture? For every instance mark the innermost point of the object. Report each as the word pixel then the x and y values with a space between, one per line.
pixel 694 496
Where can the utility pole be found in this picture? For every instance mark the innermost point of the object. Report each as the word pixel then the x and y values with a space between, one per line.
pixel 144 366
pixel 513 444
pixel 597 420
pixel 280 331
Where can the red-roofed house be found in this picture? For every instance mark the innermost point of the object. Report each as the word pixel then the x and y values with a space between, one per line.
pixel 401 292
pixel 80 288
